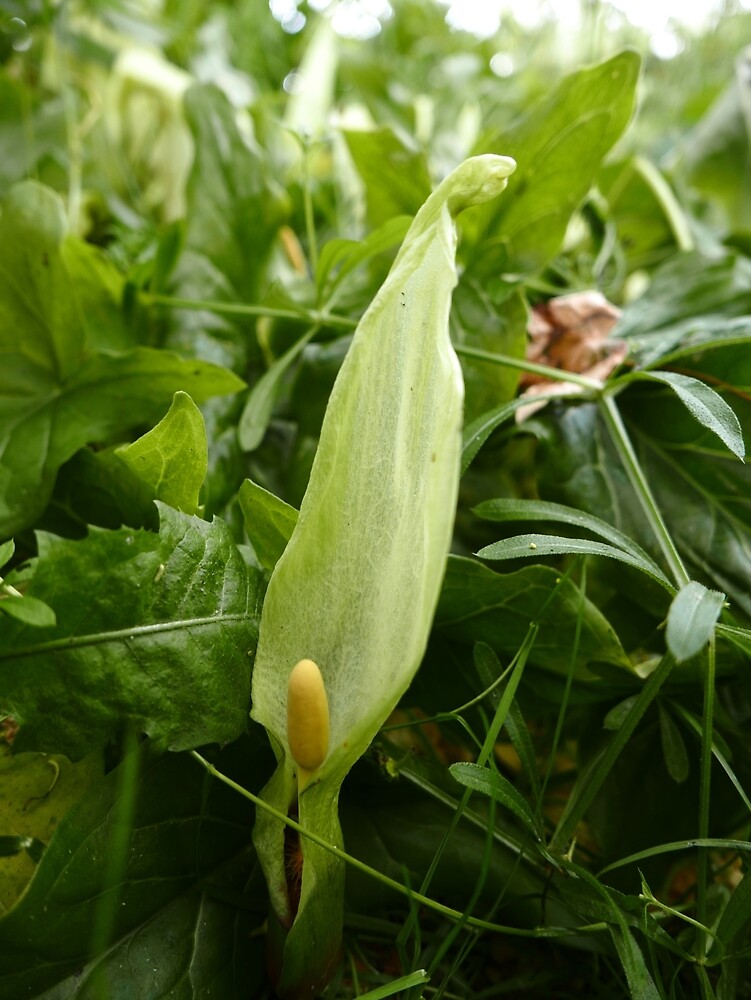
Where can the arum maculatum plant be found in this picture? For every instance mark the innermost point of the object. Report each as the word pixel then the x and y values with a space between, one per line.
pixel 350 603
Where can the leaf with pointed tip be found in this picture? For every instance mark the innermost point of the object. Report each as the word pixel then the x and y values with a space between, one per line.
pixel 171 459
pixel 705 405
pixel 269 522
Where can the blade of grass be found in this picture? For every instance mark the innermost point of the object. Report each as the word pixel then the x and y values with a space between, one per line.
pixel 715 843
pixel 591 779
pixel 417 978
pixel 705 791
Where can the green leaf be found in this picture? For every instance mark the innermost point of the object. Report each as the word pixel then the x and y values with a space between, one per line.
pixel 495 785
pixel 716 152
pixel 260 403
pixel 478 604
pixel 534 546
pixel 691 620
pixel 395 174
pixel 234 211
pixel 513 509
pixel 164 642
pixel 559 146
pixel 6 552
pixel 269 522
pixel 417 978
pixel 705 405
pixel 171 458
pixel 55 395
pixel 27 609
pixel 155 874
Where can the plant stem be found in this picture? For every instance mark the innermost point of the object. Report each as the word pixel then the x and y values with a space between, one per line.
pixel 446 911
pixel 301 315
pixel 638 480
pixel 310 225
pixel 555 374
pixel 705 783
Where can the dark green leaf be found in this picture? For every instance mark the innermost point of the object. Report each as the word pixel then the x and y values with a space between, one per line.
pixel 479 430
pixel 690 336
pixel 691 620
pixel 268 521
pixel 700 489
pixel 735 922
pixel 686 286
pixel 479 322
pixel 153 629
pixel 478 604
pixel 591 778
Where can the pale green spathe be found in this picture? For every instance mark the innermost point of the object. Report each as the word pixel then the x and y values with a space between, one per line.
pixel 356 587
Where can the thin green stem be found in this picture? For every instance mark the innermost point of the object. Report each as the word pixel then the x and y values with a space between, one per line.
pixel 705 784
pixel 310 224
pixel 674 214
pixel 301 315
pixel 555 374
pixel 567 689
pixel 446 911
pixel 625 449
pixel 671 911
